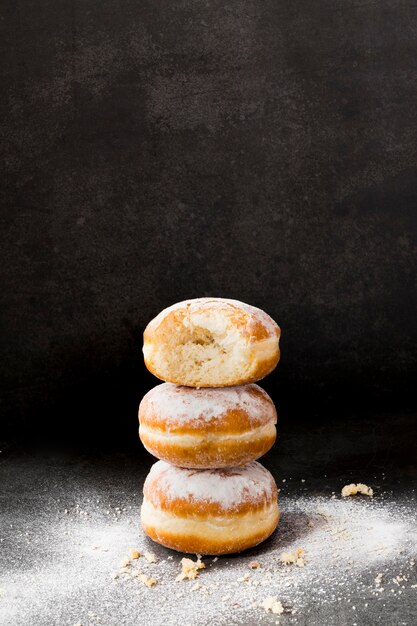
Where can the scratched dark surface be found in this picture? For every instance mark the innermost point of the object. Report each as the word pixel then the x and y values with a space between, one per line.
pixel 154 151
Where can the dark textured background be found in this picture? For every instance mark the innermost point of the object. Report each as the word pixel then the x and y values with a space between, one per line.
pixel 153 151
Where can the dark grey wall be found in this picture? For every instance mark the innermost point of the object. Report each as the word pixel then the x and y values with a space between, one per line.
pixel 153 151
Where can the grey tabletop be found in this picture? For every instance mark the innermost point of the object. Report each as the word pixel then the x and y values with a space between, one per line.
pixel 70 519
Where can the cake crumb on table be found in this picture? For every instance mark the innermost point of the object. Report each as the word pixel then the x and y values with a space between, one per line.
pixel 254 565
pixel 150 557
pixel 272 605
pixel 353 489
pixel 134 554
pixel 244 579
pixel 296 557
pixel 189 569
pixel 149 582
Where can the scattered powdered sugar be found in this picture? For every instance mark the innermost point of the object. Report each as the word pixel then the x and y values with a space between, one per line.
pixel 360 563
pixel 197 305
pixel 226 487
pixel 177 405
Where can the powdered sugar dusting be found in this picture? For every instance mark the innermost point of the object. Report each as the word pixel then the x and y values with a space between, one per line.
pixel 178 405
pixel 195 305
pixel 227 487
pixel 360 563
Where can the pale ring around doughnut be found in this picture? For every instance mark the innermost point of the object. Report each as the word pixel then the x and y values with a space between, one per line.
pixel 211 342
pixel 209 511
pixel 209 427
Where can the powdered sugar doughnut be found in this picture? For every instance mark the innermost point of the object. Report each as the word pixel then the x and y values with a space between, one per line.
pixel 209 511
pixel 211 342
pixel 207 428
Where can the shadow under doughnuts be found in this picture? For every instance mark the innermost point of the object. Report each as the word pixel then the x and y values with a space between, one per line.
pixel 292 527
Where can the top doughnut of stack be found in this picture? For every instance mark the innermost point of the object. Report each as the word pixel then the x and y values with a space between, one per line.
pixel 211 342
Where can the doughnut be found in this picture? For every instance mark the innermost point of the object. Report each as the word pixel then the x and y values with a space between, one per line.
pixel 211 342
pixel 209 511
pixel 209 427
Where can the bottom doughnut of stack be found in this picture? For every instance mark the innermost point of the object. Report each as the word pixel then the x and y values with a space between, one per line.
pixel 209 511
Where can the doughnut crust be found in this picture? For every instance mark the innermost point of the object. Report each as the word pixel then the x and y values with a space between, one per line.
pixel 209 511
pixel 208 427
pixel 211 342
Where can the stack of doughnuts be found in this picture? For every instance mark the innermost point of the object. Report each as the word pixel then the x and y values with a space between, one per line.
pixel 208 423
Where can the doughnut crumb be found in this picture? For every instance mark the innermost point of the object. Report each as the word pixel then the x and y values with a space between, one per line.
pixel 134 554
pixel 352 490
pixel 189 569
pixel 148 582
pixel 150 557
pixel 245 578
pixel 290 558
pixel 272 605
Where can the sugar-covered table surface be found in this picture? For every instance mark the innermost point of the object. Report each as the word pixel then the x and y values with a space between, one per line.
pixel 69 520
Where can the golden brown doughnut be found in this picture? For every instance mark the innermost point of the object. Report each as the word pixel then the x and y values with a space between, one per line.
pixel 207 428
pixel 211 342
pixel 209 511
